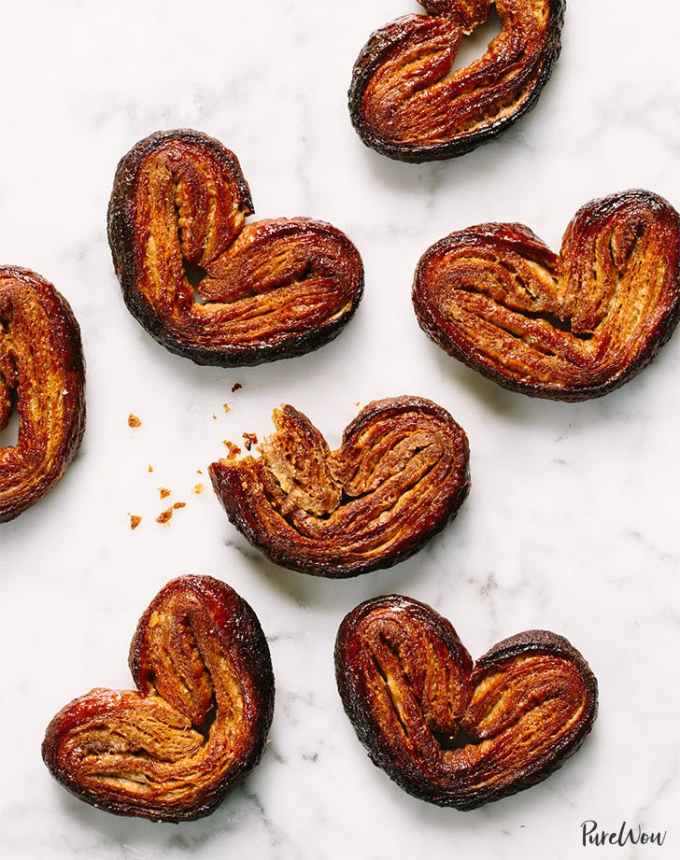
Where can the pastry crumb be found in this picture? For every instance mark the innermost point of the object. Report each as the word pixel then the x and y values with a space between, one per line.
pixel 164 492
pixel 233 450
pixel 199 471
pixel 179 505
pixel 134 521
pixel 149 468
pixel 227 407
pixel 198 489
pixel 165 517
pixel 249 439
pixel 236 386
pixel 134 421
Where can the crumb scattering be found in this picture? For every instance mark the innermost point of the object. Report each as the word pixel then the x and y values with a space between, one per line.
pixel 199 471
pixel 249 439
pixel 232 450
pixel 164 492
pixel 198 489
pixel 227 407
pixel 165 517
pixel 134 421
pixel 134 521
pixel 178 505
pixel 236 386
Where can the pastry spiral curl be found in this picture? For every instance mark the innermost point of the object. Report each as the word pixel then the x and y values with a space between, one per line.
pixel 204 283
pixel 450 731
pixel 407 103
pixel 566 327
pixel 42 375
pixel 200 719
pixel 400 475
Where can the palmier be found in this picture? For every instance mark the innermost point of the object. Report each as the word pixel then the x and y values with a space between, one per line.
pixel 407 101
pixel 42 377
pixel 567 327
pixel 399 476
pixel 451 731
pixel 199 718
pixel 206 284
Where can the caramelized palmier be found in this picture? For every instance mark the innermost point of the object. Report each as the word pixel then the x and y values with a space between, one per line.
pixel 567 327
pixel 399 476
pixel 206 284
pixel 42 377
pixel 199 718
pixel 451 731
pixel 407 100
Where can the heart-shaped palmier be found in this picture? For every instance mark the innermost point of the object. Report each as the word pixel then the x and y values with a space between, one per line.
pixel 204 283
pixel 42 376
pixel 408 102
pixel 567 328
pixel 400 475
pixel 454 732
pixel 200 719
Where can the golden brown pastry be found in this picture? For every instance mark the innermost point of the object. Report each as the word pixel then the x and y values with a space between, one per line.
pixel 400 475
pixel 204 283
pixel 451 731
pixel 407 103
pixel 198 722
pixel 42 376
pixel 566 327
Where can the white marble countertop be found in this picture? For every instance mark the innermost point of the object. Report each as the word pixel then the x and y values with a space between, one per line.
pixel 572 523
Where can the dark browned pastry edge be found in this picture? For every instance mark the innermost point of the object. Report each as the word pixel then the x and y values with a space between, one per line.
pixel 369 59
pixel 75 361
pixel 228 488
pixel 121 223
pixel 655 343
pixel 255 651
pixel 522 643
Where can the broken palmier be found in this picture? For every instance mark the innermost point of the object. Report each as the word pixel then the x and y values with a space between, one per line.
pixel 407 100
pixel 199 720
pixel 204 283
pixel 400 475
pixel 567 327
pixel 451 731
pixel 42 377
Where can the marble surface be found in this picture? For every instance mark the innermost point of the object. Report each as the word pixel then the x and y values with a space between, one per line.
pixel 572 523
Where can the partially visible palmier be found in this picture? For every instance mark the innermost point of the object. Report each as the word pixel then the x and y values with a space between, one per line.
pixel 42 378
pixel 409 102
